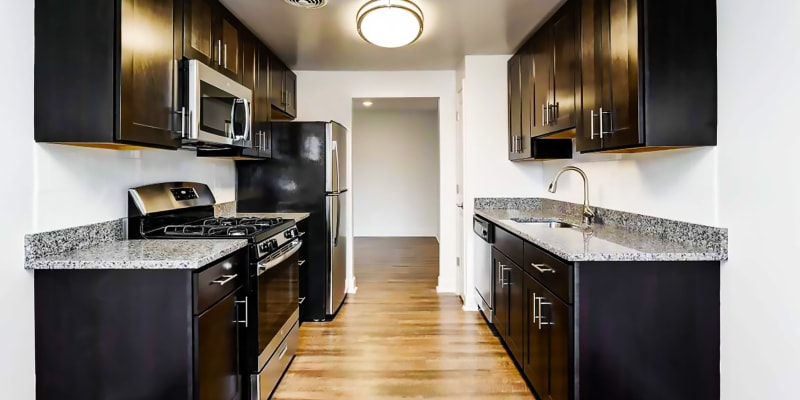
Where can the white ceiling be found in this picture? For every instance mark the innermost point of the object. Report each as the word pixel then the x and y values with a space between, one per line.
pixel 397 104
pixel 326 38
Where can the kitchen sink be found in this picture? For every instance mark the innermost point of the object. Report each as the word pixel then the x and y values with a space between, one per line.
pixel 545 224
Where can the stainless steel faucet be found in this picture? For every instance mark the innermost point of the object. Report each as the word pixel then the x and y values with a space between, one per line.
pixel 588 214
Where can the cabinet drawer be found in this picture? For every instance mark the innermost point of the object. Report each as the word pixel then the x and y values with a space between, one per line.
pixel 508 244
pixel 217 280
pixel 555 274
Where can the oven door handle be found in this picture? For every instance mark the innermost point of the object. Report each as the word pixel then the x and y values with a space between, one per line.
pixel 264 267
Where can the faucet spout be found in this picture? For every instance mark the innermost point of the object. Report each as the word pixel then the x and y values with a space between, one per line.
pixel 588 214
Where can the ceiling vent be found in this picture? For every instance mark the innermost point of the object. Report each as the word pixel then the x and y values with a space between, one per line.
pixel 308 3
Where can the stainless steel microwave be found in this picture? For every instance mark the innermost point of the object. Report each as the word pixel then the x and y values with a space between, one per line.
pixel 218 109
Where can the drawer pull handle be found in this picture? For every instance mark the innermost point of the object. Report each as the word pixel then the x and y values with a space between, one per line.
pixel 246 316
pixel 222 280
pixel 543 268
pixel 283 352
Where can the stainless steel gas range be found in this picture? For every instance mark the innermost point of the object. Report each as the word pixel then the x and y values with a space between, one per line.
pixel 269 310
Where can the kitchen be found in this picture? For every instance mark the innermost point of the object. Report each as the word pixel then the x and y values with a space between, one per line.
pixel 730 186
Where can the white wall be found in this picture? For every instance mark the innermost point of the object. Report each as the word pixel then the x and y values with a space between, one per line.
pixel 396 171
pixel 327 95
pixel 16 175
pixel 92 183
pixel 487 171
pixel 758 145
pixel 675 184
pixel 50 187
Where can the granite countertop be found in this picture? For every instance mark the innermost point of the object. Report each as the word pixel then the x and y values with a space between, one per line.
pixel 297 217
pixel 599 242
pixel 142 254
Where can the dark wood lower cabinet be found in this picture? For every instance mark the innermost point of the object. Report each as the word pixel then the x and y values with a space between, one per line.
pixel 501 295
pixel 516 325
pixel 634 331
pixel 148 334
pixel 217 351
pixel 535 361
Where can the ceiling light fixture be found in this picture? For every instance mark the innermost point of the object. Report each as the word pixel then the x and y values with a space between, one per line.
pixel 390 23
pixel 367 103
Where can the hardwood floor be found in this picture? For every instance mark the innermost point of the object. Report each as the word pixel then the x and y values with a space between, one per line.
pixel 398 339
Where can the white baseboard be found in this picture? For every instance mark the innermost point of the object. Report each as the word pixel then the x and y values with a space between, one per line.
pixel 351 286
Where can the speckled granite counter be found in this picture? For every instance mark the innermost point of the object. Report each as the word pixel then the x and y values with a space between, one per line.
pixel 297 217
pixel 141 254
pixel 626 237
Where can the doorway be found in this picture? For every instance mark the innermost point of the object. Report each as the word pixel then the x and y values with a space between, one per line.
pixel 395 164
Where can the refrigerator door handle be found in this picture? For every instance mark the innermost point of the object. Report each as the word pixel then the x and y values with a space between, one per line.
pixel 336 160
pixel 338 220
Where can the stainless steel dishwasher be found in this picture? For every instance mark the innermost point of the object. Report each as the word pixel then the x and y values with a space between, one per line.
pixel 484 284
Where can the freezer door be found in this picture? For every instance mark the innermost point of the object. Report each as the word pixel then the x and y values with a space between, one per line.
pixel 337 245
pixel 336 158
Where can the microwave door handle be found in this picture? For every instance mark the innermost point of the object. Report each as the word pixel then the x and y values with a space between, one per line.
pixel 247 115
pixel 233 115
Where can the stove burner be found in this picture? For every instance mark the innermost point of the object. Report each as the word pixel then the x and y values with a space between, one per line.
pixel 225 230
pixel 184 230
pixel 248 221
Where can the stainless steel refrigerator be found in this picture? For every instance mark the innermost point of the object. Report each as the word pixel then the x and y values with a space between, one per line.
pixel 307 173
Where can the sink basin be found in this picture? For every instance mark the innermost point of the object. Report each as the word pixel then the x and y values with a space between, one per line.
pixel 545 224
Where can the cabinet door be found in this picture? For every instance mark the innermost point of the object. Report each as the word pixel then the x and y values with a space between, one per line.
pixel 261 104
pixel 589 100
pixel 501 271
pixel 536 349
pixel 148 73
pixel 276 90
pixel 514 109
pixel 229 35
pixel 543 80
pixel 565 63
pixel 559 318
pixel 217 352
pixel 198 31
pixel 526 93
pixel 290 87
pixel 516 325
pixel 620 57
pixel 249 62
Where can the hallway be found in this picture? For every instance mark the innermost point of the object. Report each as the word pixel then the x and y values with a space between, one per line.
pixel 398 339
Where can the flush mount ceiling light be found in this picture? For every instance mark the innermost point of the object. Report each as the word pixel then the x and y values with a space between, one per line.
pixel 390 23
pixel 367 103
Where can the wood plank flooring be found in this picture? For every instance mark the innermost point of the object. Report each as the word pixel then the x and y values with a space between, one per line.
pixel 398 339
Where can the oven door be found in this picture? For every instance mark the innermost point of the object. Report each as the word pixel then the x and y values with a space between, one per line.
pixel 219 108
pixel 278 290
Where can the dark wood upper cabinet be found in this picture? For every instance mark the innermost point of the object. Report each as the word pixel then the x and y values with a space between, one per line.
pixel 290 85
pixel 540 103
pixel 213 36
pixel 199 39
pixel 527 106
pixel 543 96
pixel 109 88
pixel 276 94
pixel 515 141
pixel 229 39
pixel 648 75
pixel 283 90
pixel 565 68
pixel 250 49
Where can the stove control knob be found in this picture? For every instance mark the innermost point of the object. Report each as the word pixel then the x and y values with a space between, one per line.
pixel 273 244
pixel 291 233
